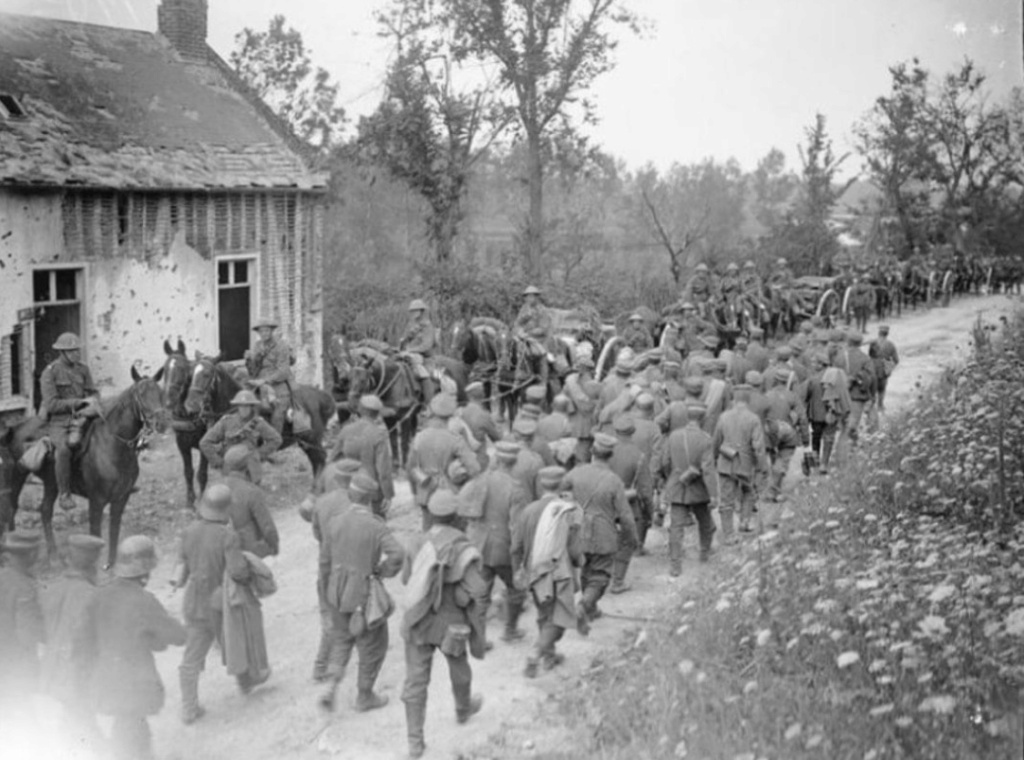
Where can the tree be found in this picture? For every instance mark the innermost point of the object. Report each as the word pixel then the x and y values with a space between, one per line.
pixel 548 53
pixel 430 128
pixel 276 66
pixel 813 241
pixel 694 211
pixel 893 139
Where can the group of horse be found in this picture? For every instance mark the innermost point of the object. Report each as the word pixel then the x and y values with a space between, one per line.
pixel 187 395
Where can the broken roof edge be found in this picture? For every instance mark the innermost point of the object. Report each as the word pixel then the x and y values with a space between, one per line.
pixel 23 184
pixel 312 159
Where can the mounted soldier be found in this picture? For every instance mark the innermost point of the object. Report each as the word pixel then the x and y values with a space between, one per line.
pixel 750 282
pixel 534 325
pixel 418 344
pixel 730 286
pixel 69 399
pixel 700 289
pixel 781 276
pixel 269 365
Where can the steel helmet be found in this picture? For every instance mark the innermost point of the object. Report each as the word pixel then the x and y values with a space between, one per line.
pixel 782 262
pixel 533 290
pixel 701 268
pixel 245 398
pixel 417 305
pixel 265 320
pixel 136 557
pixel 749 264
pixel 635 317
pixel 733 267
pixel 67 342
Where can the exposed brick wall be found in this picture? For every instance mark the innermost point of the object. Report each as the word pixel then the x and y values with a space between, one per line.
pixel 183 23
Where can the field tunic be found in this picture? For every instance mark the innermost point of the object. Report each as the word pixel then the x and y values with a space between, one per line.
pixel 62 386
pixel 271 363
pixel 229 430
pixel 64 603
pixel 367 441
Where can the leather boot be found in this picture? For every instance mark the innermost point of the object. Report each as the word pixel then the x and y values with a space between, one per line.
pixel 620 567
pixel 725 513
pixel 415 716
pixel 369 700
pixel 62 471
pixel 512 630
pixel 190 709
pixel 466 704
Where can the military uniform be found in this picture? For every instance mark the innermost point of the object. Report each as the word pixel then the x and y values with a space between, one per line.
pixel 326 508
pixel 886 357
pixel 209 549
pixel 358 545
pixel 483 427
pixel 583 390
pixel 270 362
pixel 63 386
pixel 124 625
pixel 860 373
pixel 535 320
pixel 687 465
pixel 251 518
pixel 527 471
pixel 699 289
pixel 419 342
pixel 634 470
pixel 740 454
pixel 367 440
pixel 448 590
pixel 432 450
pixel 498 499
pixel 602 496
pixel 637 337
pixel 230 430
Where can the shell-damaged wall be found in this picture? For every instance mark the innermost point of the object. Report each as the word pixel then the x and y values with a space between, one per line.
pixel 131 303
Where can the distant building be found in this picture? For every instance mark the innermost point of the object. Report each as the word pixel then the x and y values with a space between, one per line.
pixel 145 193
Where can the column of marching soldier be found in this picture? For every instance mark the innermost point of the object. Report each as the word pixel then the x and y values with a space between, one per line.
pixel 662 437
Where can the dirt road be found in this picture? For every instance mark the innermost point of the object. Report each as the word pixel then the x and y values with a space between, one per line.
pixel 282 719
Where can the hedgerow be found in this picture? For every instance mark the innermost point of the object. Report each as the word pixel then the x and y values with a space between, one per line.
pixel 884 619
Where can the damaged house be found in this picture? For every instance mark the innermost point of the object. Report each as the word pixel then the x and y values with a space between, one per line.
pixel 145 194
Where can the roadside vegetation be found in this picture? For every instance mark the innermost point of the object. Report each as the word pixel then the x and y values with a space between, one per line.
pixel 884 619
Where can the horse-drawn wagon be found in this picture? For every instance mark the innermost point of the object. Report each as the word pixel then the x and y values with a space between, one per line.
pixel 815 296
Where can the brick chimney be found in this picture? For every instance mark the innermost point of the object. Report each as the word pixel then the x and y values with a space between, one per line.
pixel 183 23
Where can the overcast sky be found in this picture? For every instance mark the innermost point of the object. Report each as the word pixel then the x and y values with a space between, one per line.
pixel 715 78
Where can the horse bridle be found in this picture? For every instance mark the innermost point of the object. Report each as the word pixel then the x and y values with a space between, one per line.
pixel 206 412
pixel 140 411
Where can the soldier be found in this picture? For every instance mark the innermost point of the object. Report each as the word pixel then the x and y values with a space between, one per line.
pixel 359 547
pixel 533 319
pixel 636 335
pixel 480 421
pixel 602 497
pixel 250 516
pixel 634 469
pixel 647 435
pixel 827 407
pixel 492 505
pixel 245 428
pixel 64 602
pixel 269 365
pixel 327 506
pixel 418 343
pixel 528 462
pixel 729 287
pixel 687 466
pixel 717 394
pixel 886 357
pixel 740 455
pixel 693 328
pixel 757 354
pixel 210 548
pixel 525 432
pixel 123 625
pixel 860 373
pixel 556 426
pixel 750 282
pixel 785 427
pixel 367 440
pixel 739 364
pixel 781 276
pixel 21 621
pixel 583 391
pixel 546 558
pixel 699 289
pixel 69 398
pixel 433 449
pixel 446 595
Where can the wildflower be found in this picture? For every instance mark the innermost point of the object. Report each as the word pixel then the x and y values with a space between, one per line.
pixel 941 593
pixel 793 731
pixel 749 687
pixel 763 636
pixel 933 625
pixel 846 659
pixel 680 750
pixel 686 667
pixel 942 704
pixel 877 712
pixel 1015 622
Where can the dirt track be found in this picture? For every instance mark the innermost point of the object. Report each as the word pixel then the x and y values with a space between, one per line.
pixel 282 719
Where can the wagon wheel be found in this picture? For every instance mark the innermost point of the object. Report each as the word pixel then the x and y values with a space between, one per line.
pixel 947 287
pixel 828 306
pixel 846 311
pixel 988 280
pixel 606 354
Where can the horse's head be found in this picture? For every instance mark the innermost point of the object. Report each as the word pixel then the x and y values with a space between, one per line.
pixel 204 381
pixel 340 355
pixel 177 376
pixel 148 399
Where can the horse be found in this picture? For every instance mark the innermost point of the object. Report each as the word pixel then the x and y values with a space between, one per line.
pixel 371 367
pixel 477 347
pixel 208 397
pixel 106 462
pixel 521 366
